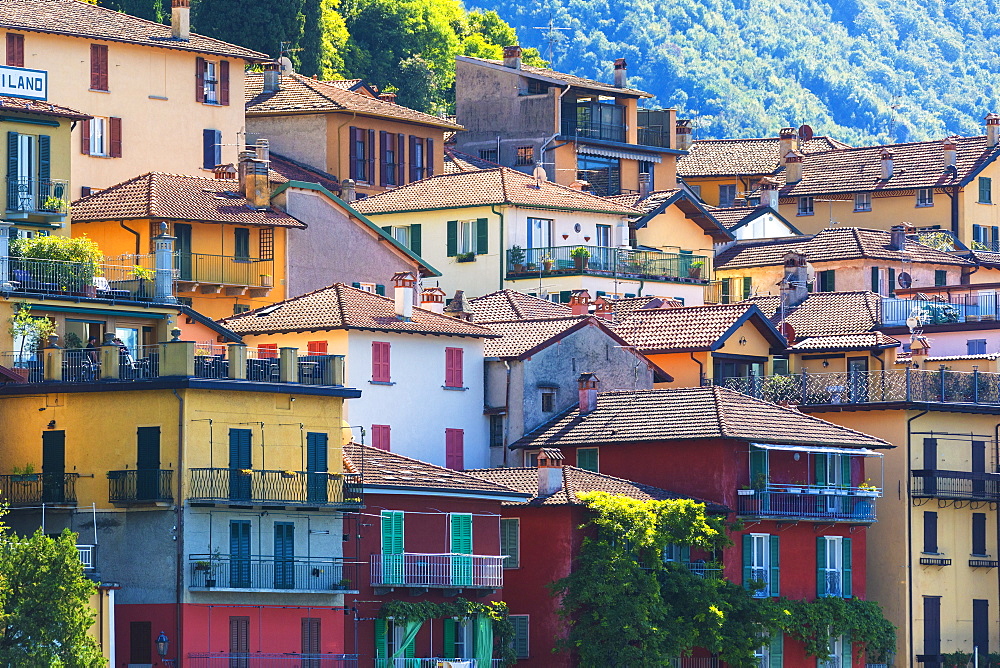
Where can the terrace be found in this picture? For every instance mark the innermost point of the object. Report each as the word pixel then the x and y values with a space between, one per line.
pixel 35 489
pixel 263 487
pixel 944 310
pixel 612 262
pixel 307 575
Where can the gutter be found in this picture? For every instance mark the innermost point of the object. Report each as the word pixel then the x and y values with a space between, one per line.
pixel 179 523
pixel 909 530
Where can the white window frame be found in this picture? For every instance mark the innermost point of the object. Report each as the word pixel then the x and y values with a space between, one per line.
pixel 100 141
pixel 394 634
pixel 467 236
pixel 542 228
pixel 836 649
pixel 863 202
pixel 211 82
pixel 367 287
pixel 671 553
pixel 402 235
pixel 464 638
pixel 604 236
pixel 834 564
pixel 760 562
pixel 807 206
pixel 925 197
pixel 763 654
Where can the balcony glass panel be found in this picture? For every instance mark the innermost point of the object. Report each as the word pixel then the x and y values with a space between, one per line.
pixel 594 120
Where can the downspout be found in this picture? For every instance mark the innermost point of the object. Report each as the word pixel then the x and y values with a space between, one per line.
pixel 503 250
pixel 180 530
pixel 909 530
pixel 558 128
pixel 701 369
pixel 954 208
pixel 506 422
pixel 137 237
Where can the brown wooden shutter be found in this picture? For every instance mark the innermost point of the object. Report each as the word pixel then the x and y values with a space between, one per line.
pixel 383 148
pixel 400 160
pixel 429 157
pixel 371 157
pixel 115 132
pixel 414 167
pixel 15 50
pixel 98 67
pixel 239 635
pixel 352 149
pixel 224 83
pixel 199 79
pixel 85 137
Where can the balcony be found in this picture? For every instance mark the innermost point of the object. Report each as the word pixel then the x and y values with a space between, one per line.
pixel 261 660
pixel 435 662
pixel 908 385
pixel 34 197
pixel 621 263
pixel 841 504
pixel 95 280
pixel 955 485
pixel 268 573
pixel 34 489
pixel 257 487
pixel 88 557
pixel 615 132
pixel 437 571
pixel 952 309
pixel 147 486
pixel 655 136
pixel 229 274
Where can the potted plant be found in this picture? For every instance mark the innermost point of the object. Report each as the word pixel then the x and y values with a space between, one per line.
pixel 143 276
pixel 32 331
pixel 547 263
pixel 516 257
pixel 202 565
pixel 694 269
pixel 54 204
pixel 867 489
pixel 580 256
pixel 760 482
pixel 344 584
pixel 466 257
pixel 288 474
pixel 265 280
pixel 25 473
pixel 68 264
pixel 246 471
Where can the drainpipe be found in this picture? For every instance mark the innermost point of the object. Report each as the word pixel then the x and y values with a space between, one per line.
pixel 503 250
pixel 558 127
pixel 180 530
pixel 701 369
pixel 909 530
pixel 340 127
pixel 954 208
pixel 506 422
pixel 137 237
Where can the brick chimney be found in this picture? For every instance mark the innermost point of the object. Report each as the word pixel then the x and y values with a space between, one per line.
pixel 582 186
pixel 550 472
pixel 602 308
pixel 588 383
pixel 950 152
pixel 512 57
pixel 992 130
pixel 388 97
pixel 180 19
pixel 886 157
pixel 683 131
pixel 272 77
pixel 579 302
pixel 788 140
pixel 258 185
pixel 769 192
pixel 347 192
pixel 898 234
pixel 621 73
pixel 432 299
pixel 404 282
pixel 793 167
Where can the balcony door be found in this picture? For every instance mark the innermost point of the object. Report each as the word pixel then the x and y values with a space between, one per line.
pixel 239 642
pixel 461 545
pixel 25 166
pixel 54 466
pixel 833 471
pixel 182 249
pixel 539 235
pixel 240 483
pixel 979 468
pixel 392 547
pixel 857 379
pixel 147 464
pixel 316 467
pixel 284 555
pixel 239 554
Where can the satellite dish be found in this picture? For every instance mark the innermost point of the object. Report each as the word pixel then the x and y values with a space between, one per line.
pixel 539 173
pixel 904 280
pixel 787 331
pixel 805 132
pixel 912 323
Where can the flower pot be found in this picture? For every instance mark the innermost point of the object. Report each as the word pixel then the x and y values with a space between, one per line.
pixel 580 263
pixel 694 272
pixel 518 268
pixel 209 582
pixel 547 265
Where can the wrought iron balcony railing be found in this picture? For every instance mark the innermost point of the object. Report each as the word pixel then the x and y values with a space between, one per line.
pixel 97 280
pixel 267 487
pixel 827 504
pixel 442 571
pixel 31 489
pixel 760 575
pixel 37 196
pixel 608 261
pixel 958 485
pixel 224 270
pixel 141 486
pixel 229 571
pixel 264 660
pixel 834 585
pixel 436 662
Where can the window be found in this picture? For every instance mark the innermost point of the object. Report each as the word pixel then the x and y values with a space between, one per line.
pixel 805 206
pixel 464 642
pixel 779 366
pixel 976 346
pixel 536 87
pixel 417 158
pixel 826 281
pixel 521 639
pixel 510 546
pixel 726 291
pixel 240 308
pixel 391 159
pixel 362 162
pixel 454 449
pixel 985 190
pixel 460 538
pixel 761 553
pixel 211 148
pixel 833 565
pixel 940 277
pixel 211 81
pixel 930 532
pixel 496 431
pixel 863 202
pixel 265 242
pixel 876 281
pixel 241 241
pixel 15 50
pixel 317 347
pixel 539 233
pixel 932 625
pixel 311 642
pixel 98 67
pixel 392 531
pixel 548 401
pixel 102 137
pixel 603 174
pixel 696 190
pixel 647 171
pixel 925 197
pixel 489 154
pixel 727 195
pixel 603 237
pixel 140 642
pixel 525 155
pixel 840 653
pixel 531 459
pixel 981 625
pixel 380 362
pixel 453 376
pixel 380 437
pixel 769 655
pixel 979 534
pixel 587 459
pixel 468 236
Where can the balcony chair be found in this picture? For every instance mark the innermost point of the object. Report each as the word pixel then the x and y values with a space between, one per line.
pixel 105 290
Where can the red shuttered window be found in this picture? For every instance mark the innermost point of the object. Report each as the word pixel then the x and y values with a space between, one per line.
pixel 454 449
pixel 317 347
pixel 224 83
pixel 98 67
pixel 114 137
pixel 15 50
pixel 267 351
pixel 380 362
pixel 453 367
pixel 199 79
pixel 380 436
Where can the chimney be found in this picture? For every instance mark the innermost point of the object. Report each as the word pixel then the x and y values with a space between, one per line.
pixel 258 185
pixel 898 234
pixel 643 184
pixel 512 57
pixel 992 130
pixel 432 299
pixel 588 383
pixel 795 284
pixel 388 97
pixel 769 192
pixel 347 192
pixel 683 132
pixel 582 186
pixel 456 307
pixel 180 19
pixel 602 308
pixel 950 152
pixel 793 167
pixel 579 302
pixel 272 77
pixel 550 472
pixel 263 151
pixel 241 169
pixel 621 73
pixel 788 140
pixel 886 156
pixel 404 282
pixel 225 172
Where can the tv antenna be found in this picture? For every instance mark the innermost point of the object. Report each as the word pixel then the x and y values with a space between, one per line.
pixel 552 36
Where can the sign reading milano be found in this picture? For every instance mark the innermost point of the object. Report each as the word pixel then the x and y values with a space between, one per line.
pixel 19 82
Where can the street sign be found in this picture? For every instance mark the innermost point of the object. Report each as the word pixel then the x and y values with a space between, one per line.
pixel 21 82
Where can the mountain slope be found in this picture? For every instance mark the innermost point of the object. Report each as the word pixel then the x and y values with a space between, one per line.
pixel 745 68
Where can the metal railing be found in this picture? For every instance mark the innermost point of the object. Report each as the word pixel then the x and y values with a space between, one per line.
pixel 833 583
pixel 224 269
pixel 97 280
pixel 27 363
pixel 45 197
pixel 272 487
pixel 36 488
pixel 593 130
pixel 261 660
pixel 226 571
pixel 957 308
pixel 908 385
pixel 704 571
pixel 958 485
pixel 321 370
pixel 434 662
pixel 609 261
pixel 654 137
pixel 846 504
pixel 760 575
pixel 437 570
pixel 140 486
pixel 694 662
pixel 88 556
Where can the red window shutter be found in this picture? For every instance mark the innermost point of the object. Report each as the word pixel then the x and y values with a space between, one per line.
pixel 380 362
pixel 98 67
pixel 267 351
pixel 381 436
pixel 429 157
pixel 454 449
pixel 383 142
pixel 115 132
pixel 400 160
pixel 371 157
pixel 199 79
pixel 453 367
pixel 15 50
pixel 224 83
pixel 85 137
pixel 317 347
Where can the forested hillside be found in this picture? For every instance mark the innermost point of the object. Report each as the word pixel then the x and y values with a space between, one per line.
pixel 747 67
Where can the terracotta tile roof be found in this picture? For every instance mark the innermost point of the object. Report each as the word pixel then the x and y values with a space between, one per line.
pixel 731 217
pixel 18 104
pixel 690 413
pixel 519 337
pixel 626 306
pixel 729 157
pixel 456 161
pixel 301 94
pixel 688 328
pixel 571 79
pixel 175 197
pixel 947 358
pixel 575 482
pixel 827 313
pixel 500 185
pixel 856 341
pixel 647 203
pixel 507 305
pixel 984 258
pixel 832 245
pixel 379 468
pixel 80 19
pixel 297 171
pixel 915 165
pixel 346 84
pixel 343 307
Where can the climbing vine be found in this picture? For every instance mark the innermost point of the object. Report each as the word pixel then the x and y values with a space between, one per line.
pixel 816 623
pixel 419 611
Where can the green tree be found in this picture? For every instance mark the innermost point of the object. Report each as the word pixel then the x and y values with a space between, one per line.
pixel 487 34
pixel 261 25
pixel 144 9
pixel 44 611
pixel 324 37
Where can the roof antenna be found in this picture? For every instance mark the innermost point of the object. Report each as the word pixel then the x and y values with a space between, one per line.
pixel 552 37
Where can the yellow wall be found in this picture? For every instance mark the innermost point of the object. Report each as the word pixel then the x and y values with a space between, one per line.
pixel 671 230
pixel 709 186
pixel 59 165
pixel 101 603
pixel 686 371
pixel 755 342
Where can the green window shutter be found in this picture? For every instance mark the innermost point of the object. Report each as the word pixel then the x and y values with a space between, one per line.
pixel 415 238
pixel 747 286
pixel 847 658
pixel 726 290
pixel 586 458
pixel 831 280
pixel 775 585
pixel 380 290
pixel 819 463
pixel 776 651
pixel 449 638
pixel 452 238
pixel 387 229
pixel 11 159
pixel 482 236
pixel 520 635
pixel 381 650
pixel 392 531
pixel 940 277
pixel 845 587
pixel 411 650
pixel 356 285
pixel 758 463
pixel 685 554
pixel 845 470
pixel 44 161
pixel 875 281
pixel 985 190
pixel 509 539
pixel 747 560
pixel 891 288
pixel 461 533
pixel 821 566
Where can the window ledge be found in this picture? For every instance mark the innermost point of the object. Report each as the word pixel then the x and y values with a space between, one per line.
pixel 986 203
pixel 925 206
pixel 98 90
pixel 380 382
pixel 454 389
pixel 158 97
pixel 800 213
pixel 862 211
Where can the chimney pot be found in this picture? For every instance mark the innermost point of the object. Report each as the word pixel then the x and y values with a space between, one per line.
pixel 180 19
pixel 898 234
pixel 683 131
pixel 432 299
pixel 769 192
pixel 602 308
pixel 404 282
pixel 262 151
pixel 886 157
pixel 456 308
pixel 512 57
pixel 225 172
pixel 793 167
pixel 258 185
pixel 579 302
pixel 550 472
pixel 950 152
pixel 588 383
pixel 388 97
pixel 788 140
pixel 347 192
pixel 621 73
pixel 992 130
pixel 272 77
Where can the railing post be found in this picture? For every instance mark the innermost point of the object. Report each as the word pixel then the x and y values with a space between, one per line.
pixel 805 382
pixel 53 361
pixel 237 354
pixel 908 369
pixel 110 359
pixel 288 365
pixel 176 356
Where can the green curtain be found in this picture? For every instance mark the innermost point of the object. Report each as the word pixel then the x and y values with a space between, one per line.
pixel 484 641
pixel 409 637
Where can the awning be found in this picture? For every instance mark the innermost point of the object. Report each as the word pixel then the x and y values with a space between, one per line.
pixel 819 449
pixel 616 153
